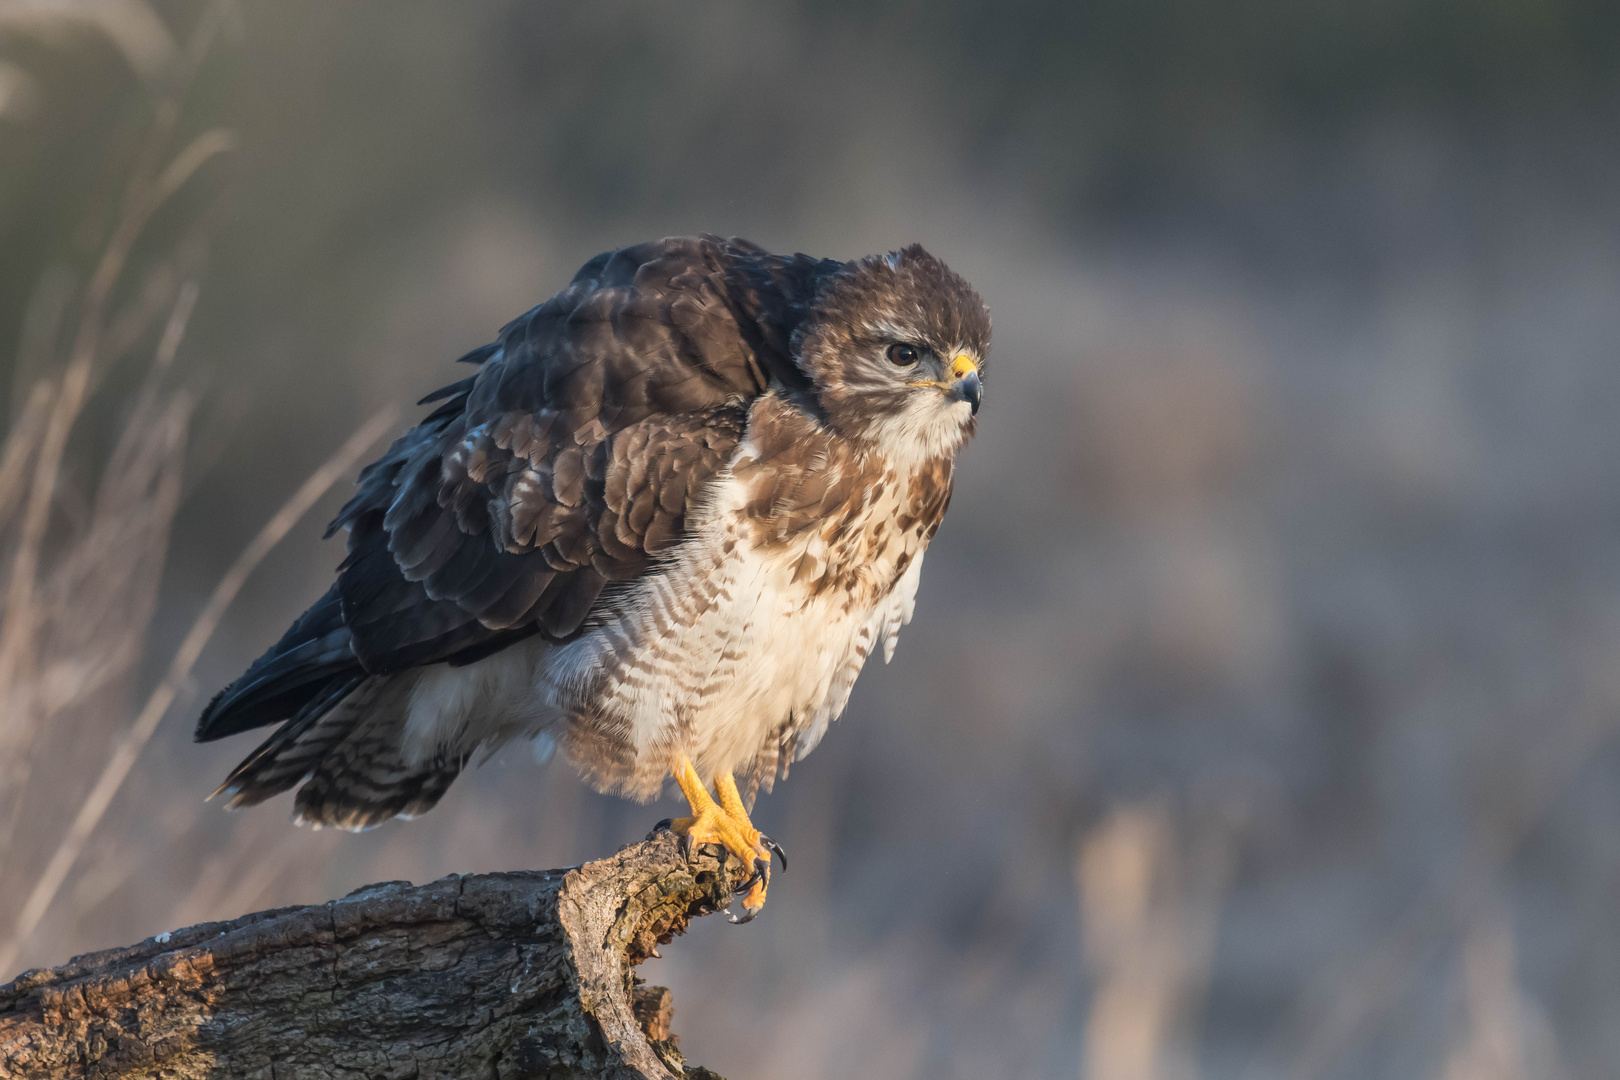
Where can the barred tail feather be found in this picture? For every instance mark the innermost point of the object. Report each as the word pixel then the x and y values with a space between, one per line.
pixel 361 785
pixel 346 749
pixel 289 757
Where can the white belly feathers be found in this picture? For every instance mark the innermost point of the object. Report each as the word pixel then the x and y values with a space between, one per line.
pixel 726 654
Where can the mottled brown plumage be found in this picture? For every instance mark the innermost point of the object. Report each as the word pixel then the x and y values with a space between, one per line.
pixel 670 514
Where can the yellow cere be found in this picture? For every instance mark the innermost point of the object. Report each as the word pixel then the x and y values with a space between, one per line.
pixel 963 366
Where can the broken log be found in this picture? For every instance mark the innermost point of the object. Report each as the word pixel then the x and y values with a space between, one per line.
pixel 516 976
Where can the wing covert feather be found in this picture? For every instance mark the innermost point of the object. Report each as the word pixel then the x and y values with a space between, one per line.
pixel 575 455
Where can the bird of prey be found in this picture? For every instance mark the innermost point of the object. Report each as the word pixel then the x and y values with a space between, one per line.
pixel 660 526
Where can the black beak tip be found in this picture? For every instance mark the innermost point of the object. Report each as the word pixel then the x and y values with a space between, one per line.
pixel 971 390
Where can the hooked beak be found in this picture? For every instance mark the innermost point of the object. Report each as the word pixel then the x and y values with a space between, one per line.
pixel 965 384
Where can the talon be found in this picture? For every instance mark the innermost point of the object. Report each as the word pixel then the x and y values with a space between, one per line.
pixel 725 824
pixel 762 869
pixel 662 826
pixel 755 900
pixel 773 846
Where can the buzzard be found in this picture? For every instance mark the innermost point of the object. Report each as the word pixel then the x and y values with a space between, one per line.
pixel 661 525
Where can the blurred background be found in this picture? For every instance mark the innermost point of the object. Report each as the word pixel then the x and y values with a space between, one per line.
pixel 1258 718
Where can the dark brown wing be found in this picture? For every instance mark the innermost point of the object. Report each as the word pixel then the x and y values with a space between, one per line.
pixel 569 462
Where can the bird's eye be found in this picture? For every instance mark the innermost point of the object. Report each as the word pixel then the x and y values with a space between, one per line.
pixel 904 355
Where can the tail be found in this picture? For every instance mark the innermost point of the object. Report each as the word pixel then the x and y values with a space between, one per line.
pixel 341 733
pixel 305 673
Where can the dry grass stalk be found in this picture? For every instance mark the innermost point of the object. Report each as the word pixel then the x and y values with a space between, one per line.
pixel 144 197
pixel 1345 1006
pixel 82 573
pixel 89 616
pixel 185 657
pixel 1493 1046
pixel 1150 893
pixel 41 438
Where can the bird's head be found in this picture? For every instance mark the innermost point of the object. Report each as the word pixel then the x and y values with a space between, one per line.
pixel 895 347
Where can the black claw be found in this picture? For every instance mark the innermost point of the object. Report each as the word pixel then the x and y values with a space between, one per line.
pixel 662 826
pixel 684 845
pixel 747 917
pixel 762 870
pixel 772 845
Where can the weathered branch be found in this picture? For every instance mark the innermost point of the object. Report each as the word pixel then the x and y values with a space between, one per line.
pixel 519 975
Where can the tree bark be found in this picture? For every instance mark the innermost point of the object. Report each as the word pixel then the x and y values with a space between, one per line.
pixel 517 976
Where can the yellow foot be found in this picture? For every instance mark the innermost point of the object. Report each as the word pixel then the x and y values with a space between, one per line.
pixel 726 823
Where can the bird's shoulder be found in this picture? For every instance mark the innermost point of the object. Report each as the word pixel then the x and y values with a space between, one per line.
pixel 672 326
